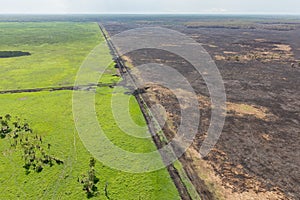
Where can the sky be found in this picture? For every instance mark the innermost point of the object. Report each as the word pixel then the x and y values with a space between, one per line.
pixel 150 6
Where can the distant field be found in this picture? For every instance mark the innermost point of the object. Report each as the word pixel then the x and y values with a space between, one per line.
pixel 57 50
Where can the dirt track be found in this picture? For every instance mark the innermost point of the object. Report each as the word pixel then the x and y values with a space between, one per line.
pixel 257 155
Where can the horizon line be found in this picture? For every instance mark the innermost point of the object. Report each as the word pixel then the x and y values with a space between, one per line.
pixel 152 13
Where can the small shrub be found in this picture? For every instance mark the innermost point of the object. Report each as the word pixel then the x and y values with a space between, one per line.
pixel 237 58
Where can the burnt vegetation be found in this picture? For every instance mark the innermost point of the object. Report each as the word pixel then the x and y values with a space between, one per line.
pixel 258 59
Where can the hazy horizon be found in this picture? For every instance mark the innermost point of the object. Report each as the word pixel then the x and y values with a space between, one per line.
pixel 204 14
pixel 231 7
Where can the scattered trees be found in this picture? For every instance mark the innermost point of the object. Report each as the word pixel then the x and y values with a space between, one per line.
pixel 35 156
pixel 35 152
pixel 21 136
pixel 90 180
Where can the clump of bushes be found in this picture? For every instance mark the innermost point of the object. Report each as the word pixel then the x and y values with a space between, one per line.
pixel 21 136
pixel 13 129
pixel 35 156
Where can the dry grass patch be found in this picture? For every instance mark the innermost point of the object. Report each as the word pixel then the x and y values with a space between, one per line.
pixel 219 57
pixel 230 52
pixel 271 52
pixel 283 47
pixel 127 61
pixel 244 109
pixel 226 190
pixel 260 40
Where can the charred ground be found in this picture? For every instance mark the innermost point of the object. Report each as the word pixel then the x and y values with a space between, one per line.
pixel 257 155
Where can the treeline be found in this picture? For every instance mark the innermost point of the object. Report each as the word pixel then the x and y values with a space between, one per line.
pixel 9 54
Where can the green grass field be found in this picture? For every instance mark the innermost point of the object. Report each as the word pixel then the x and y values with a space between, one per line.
pixel 58 49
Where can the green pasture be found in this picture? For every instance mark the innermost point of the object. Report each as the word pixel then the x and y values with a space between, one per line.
pixel 57 51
